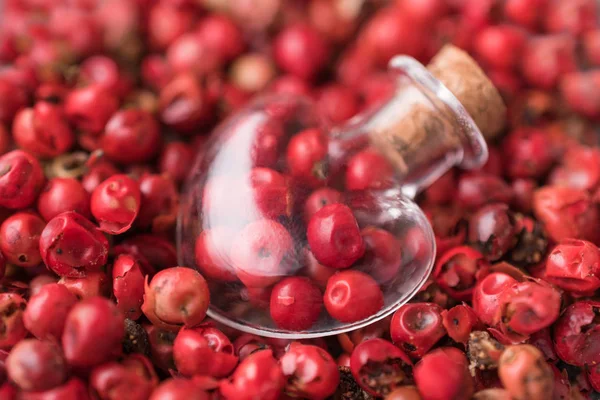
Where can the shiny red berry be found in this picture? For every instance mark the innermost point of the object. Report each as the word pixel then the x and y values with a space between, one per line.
pixel 500 46
pixel 71 245
pixel 352 296
pixel 21 179
pixel 258 252
pixel 525 374
pixel 338 102
pixel 459 322
pixel 259 376
pixel 577 334
pixel 222 35
pixel 311 372
pixel 443 374
pixel 90 107
pixel 455 271
pixel 203 350
pixel 93 333
pixel 20 237
pixel 159 202
pixel 307 157
pixel 43 130
pixel 131 136
pixel 115 204
pixel 334 236
pixel 526 153
pixel 383 257
pixel 368 169
pixel 300 50
pixel 175 159
pixel 184 104
pixel 268 194
pixel 34 365
pixel 296 303
pixel 319 199
pixel 47 311
pixel 416 327
pixel 176 297
pixel 379 367
pixel 61 195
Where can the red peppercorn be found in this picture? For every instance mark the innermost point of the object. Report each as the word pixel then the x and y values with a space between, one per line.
pixel 417 327
pixel 12 329
pixel 405 393
pixel 203 350
pixel 390 32
pixel 296 303
pixel 300 50
pixel 268 193
pixel 94 283
pixel 579 89
pixel 566 213
pixel 459 322
pixel 290 84
pixel 526 13
pixel 580 168
pixel 334 236
pixel 527 307
pixel 190 54
pixel 47 311
pixel 166 23
pixel 212 252
pixel 576 334
pixel 500 46
pixel 455 271
pixel 258 252
pixel 131 136
pixel 175 159
pixel 486 295
pixel 176 297
pixel 368 169
pixel 319 199
pixel 21 179
pixel 443 374
pixel 379 367
pixel 257 377
pixel 575 17
pixel 493 229
pixel 573 265
pixel 178 389
pixel 338 103
pixel 20 238
pixel 546 58
pixel 525 374
pixel 221 34
pixel 477 189
pixel 184 104
pixel 352 296
pixel 43 130
pixel 252 72
pixel 134 378
pixel 128 286
pixel 306 157
pixel 247 344
pixel 527 154
pixel 34 365
pixel 62 242
pixel 61 195
pixel 103 71
pixel 383 257
pixel 523 190
pixel 115 204
pixel 90 107
pixel 93 333
pixel 311 372
pixel 159 202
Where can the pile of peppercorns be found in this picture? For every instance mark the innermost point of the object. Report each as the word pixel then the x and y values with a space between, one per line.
pixel 103 107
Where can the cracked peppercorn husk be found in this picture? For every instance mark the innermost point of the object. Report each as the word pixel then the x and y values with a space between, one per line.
pixel 483 351
pixel 136 339
pixel 348 389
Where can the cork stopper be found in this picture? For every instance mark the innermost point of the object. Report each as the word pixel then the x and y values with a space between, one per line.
pixel 469 84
